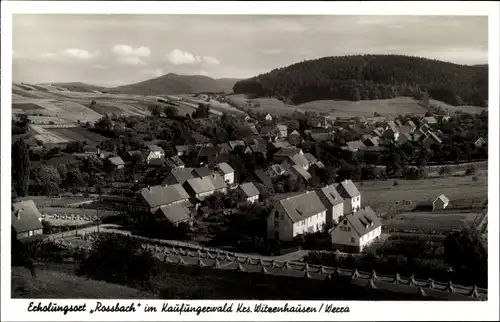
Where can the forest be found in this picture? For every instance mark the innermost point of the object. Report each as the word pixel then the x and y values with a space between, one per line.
pixel 370 77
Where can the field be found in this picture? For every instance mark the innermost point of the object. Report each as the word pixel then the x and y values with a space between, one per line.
pixel 387 107
pixel 26 106
pixel 43 201
pixel 79 134
pixel 430 222
pixel 53 284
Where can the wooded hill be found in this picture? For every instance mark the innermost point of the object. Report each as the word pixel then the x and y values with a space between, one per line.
pixel 370 77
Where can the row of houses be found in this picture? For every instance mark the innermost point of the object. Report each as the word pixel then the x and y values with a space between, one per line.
pixel 337 206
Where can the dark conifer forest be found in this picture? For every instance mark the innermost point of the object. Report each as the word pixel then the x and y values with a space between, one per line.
pixel 370 77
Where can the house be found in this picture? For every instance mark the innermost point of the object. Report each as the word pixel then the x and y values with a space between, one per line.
pixel 480 142
pixel 234 144
pixel 418 135
pixel 183 149
pixel 371 141
pixel 430 121
pixel 352 197
pixel 310 158
pixel 200 188
pixel 26 220
pixel 268 117
pixel 224 148
pixel 226 171
pixel 425 128
pixel 321 137
pixel 333 202
pixel 262 176
pixel 282 130
pixel 250 192
pixel 301 172
pixel 130 155
pixel 440 203
pixel 253 129
pixel 354 146
pixel 208 154
pixel 275 170
pixel 247 150
pixel 177 162
pixel 356 231
pixel 175 214
pixel 202 172
pixel 295 138
pixel 398 123
pixel 259 149
pixel 150 199
pixel 430 140
pixel 296 215
pixel 285 153
pixel 178 176
pixel 391 133
pixel 154 152
pixel 378 132
pixel 403 138
pixel 299 160
pixel 411 125
pixel 116 163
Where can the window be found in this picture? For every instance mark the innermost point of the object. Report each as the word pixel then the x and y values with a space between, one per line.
pixel 276 224
pixel 348 228
pixel 353 240
pixel 345 222
pixel 282 217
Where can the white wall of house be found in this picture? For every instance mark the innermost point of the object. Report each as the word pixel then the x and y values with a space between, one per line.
pixel 352 204
pixel 279 225
pixel 229 177
pixel 344 234
pixel 310 225
pixel 253 199
pixel 368 238
pixel 337 212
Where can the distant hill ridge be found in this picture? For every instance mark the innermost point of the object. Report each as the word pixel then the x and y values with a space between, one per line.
pixel 366 77
pixel 167 84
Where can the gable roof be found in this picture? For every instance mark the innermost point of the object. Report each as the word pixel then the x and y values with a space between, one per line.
pixel 249 189
pixel 134 152
pixel 234 144
pixel 154 148
pixel 288 151
pixel 280 144
pixel 208 151
pixel 321 137
pixel 282 127
pixel 430 120
pixel 443 198
pixel 331 194
pixel 432 135
pixel 258 148
pixel 225 168
pixel 184 148
pixel 263 177
pixel 28 216
pixel 410 123
pixel 160 195
pixel 276 169
pixel 206 184
pixel 355 145
pixel 299 159
pixel 116 161
pixel 202 172
pixel 224 147
pixel 302 206
pixel 364 220
pixel 295 132
pixel 347 189
pixel 175 213
pixel 302 172
pixel 311 158
pixel 177 161
pixel 180 174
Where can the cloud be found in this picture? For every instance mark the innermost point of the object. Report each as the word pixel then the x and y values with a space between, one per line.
pixel 131 60
pixel 272 51
pixel 153 72
pixel 128 51
pixel 73 53
pixel 179 57
pixel 78 53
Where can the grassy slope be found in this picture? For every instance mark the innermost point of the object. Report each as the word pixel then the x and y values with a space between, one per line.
pixel 53 284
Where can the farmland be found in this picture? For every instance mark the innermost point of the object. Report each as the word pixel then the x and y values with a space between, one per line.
pixel 344 109
pixel 79 134
pixel 431 222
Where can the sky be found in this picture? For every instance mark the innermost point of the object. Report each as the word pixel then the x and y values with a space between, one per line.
pixel 112 50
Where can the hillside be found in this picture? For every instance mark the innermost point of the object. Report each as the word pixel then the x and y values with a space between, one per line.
pixel 177 84
pixel 79 87
pixel 371 77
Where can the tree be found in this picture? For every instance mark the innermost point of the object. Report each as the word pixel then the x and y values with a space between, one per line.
pixel 154 109
pixel 170 111
pixel 20 167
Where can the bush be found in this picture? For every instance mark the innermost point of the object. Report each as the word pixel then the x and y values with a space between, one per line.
pixel 471 170
pixel 395 183
pixel 444 170
pixel 474 178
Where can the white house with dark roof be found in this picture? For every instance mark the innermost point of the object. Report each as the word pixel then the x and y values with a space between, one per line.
pixel 152 198
pixel 356 231
pixel 154 152
pixel 296 215
pixel 175 214
pixel 201 188
pixel 351 195
pixel 430 121
pixel 440 203
pixel 282 130
pixel 250 192
pixel 26 219
pixel 268 117
pixel 333 202
pixel 226 171
pixel 430 140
